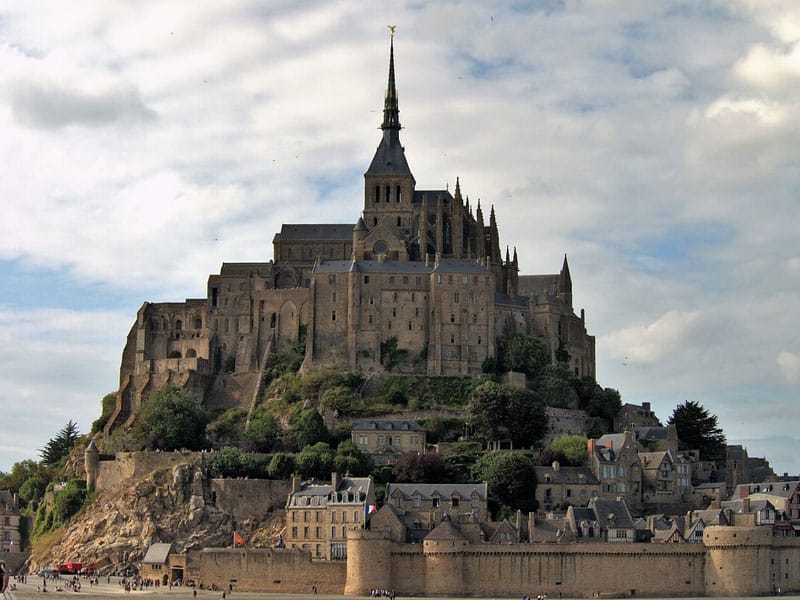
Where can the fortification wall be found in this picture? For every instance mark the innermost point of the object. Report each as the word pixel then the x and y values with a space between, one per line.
pixel 733 561
pixel 741 560
pixel 274 570
pixel 128 465
pixel 249 498
pixel 581 570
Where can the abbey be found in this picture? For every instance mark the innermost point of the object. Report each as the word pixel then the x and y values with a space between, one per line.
pixel 419 277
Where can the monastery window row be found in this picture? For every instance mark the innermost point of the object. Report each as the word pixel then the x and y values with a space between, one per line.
pixel 398 196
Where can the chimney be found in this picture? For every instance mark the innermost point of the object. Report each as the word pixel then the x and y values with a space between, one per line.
pixel 591 447
pixel 646 406
pixel 295 483
pixel 334 480
pixel 745 505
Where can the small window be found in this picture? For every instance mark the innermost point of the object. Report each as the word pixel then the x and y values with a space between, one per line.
pixel 366 278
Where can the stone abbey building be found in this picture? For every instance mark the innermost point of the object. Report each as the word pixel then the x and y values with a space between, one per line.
pixel 419 272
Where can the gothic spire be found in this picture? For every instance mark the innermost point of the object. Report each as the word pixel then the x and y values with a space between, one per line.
pixel 391 110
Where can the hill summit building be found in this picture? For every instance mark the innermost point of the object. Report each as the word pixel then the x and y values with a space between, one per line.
pixel 419 275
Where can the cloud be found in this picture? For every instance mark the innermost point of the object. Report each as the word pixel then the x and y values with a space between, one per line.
pixel 53 105
pixel 653 341
pixel 789 365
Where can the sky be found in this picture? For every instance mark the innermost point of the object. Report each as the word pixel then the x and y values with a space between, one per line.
pixel 653 143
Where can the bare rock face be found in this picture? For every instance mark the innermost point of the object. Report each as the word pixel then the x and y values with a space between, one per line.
pixel 170 504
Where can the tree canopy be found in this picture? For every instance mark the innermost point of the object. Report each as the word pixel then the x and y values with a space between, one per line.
pixel 697 429
pixel 499 412
pixel 573 447
pixel 59 446
pixel 171 419
pixel 511 478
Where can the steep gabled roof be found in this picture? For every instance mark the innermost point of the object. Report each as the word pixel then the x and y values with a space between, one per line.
pixel 157 554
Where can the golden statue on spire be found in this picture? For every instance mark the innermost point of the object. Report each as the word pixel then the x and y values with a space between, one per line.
pixel 391 29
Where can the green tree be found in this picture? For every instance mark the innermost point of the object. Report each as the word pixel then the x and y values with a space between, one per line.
pixel 351 459
pixel 573 447
pixel 417 467
pixel 309 428
pixel 171 419
pixel 107 406
pixel 511 478
pixel 228 429
pixel 525 354
pixel 232 462
pixel 697 429
pixel 263 433
pixel 556 386
pixel 282 466
pixel 32 491
pixel 315 461
pixel 22 471
pixel 58 447
pixel 498 412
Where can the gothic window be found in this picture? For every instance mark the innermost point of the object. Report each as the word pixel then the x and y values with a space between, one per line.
pixel 366 278
pixel 377 194
pixel 399 222
pixel 455 297
pixel 388 193
pixel 398 195
pixel 333 315
pixel 178 325
pixel 198 323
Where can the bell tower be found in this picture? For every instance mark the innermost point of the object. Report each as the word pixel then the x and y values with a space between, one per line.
pixel 388 182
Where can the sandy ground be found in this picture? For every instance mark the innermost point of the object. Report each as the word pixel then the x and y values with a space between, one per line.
pixel 32 590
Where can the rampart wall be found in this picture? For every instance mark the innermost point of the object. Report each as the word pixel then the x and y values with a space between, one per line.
pixel 732 561
pixel 249 498
pixel 275 570
pixel 127 466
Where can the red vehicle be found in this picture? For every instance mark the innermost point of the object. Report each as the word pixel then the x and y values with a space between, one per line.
pixel 70 568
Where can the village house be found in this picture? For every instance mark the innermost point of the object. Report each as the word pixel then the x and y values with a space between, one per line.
pixel 615 463
pixel 385 439
pixel 559 486
pixel 9 523
pixel 602 520
pixel 319 515
pixel 424 504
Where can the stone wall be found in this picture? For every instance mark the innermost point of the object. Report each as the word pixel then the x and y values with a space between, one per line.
pixel 732 561
pixel 249 498
pixel 129 466
pixel 273 570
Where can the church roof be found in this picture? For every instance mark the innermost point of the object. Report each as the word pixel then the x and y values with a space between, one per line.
pixel 314 232
pixel 409 267
pixel 537 285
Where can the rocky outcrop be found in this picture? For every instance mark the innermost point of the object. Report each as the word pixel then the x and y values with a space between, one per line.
pixel 169 504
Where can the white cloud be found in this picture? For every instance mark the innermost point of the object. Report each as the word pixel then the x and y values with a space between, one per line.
pixel 789 365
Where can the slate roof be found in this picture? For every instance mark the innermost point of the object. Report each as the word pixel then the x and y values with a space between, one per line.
pixel 782 489
pixel 314 232
pixel 386 425
pixel 318 493
pixel 650 433
pixel 566 475
pixel 445 531
pixel 243 269
pixel 433 197
pixel 536 285
pixel 612 514
pixel 407 267
pixel 157 554
pixel 443 490
pixel 7 502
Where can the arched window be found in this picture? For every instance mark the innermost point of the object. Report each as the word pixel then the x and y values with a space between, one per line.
pixel 398 194
pixel 178 325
